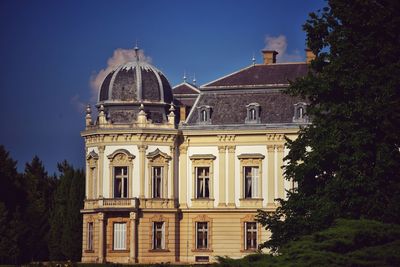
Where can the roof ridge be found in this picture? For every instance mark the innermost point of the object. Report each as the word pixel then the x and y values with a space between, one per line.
pixel 230 74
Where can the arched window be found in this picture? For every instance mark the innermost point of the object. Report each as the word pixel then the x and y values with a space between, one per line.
pixel 204 115
pixel 253 113
pixel 300 112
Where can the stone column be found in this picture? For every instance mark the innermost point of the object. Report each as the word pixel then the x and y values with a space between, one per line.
pixel 271 175
pixel 222 181
pixel 133 238
pixel 142 156
pixel 281 180
pixel 101 176
pixel 231 176
pixel 101 217
pixel 183 177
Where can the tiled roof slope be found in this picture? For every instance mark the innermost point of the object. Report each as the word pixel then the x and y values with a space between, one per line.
pixel 230 107
pixel 185 88
pixel 262 74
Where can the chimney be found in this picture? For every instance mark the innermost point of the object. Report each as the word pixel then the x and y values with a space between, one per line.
pixel 269 56
pixel 309 55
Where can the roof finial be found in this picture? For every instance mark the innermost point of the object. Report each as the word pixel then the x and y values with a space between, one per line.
pixel 184 76
pixel 253 59
pixel 194 78
pixel 136 48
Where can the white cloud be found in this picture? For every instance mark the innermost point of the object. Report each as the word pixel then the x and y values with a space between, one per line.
pixel 77 103
pixel 120 56
pixel 279 44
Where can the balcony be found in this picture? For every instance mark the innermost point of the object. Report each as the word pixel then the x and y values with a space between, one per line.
pixel 131 203
pixel 111 203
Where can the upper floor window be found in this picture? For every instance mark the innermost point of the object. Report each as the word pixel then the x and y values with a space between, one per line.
pixel 250 235
pixel 253 113
pixel 204 114
pixel 120 182
pixel 300 112
pixel 202 182
pixel 158 235
pixel 119 236
pixel 251 178
pixel 157 181
pixel 201 235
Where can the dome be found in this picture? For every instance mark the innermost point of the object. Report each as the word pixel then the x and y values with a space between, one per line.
pixel 136 82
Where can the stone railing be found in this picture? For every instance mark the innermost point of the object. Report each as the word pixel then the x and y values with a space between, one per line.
pixel 157 203
pixel 111 203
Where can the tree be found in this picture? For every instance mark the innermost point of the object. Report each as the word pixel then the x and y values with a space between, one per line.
pixel 39 187
pixel 65 240
pixel 346 164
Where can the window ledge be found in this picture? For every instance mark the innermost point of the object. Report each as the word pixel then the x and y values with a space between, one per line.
pixel 159 250
pixel 202 250
pixel 202 202
pixel 251 202
pixel 119 251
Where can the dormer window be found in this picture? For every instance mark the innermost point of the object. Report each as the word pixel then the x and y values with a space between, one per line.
pixel 300 112
pixel 204 115
pixel 253 113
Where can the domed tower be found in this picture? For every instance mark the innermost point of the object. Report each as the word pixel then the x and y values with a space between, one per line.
pixel 131 85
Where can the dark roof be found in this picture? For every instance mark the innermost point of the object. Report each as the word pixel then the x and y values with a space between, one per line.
pixel 262 74
pixel 230 107
pixel 185 88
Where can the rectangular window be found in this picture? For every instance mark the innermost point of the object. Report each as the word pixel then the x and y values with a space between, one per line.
pixel 157 182
pixel 90 236
pixel 250 235
pixel 201 235
pixel 203 182
pixel 250 182
pixel 120 182
pixel 158 235
pixel 119 236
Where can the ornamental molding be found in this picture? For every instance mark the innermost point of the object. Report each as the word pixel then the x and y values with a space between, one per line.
pixel 92 155
pixel 202 157
pixel 121 155
pixel 158 153
pixel 251 156
pixel 226 137
pixel 275 137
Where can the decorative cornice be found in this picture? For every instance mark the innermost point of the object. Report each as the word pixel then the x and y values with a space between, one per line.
pixel 202 156
pixel 251 156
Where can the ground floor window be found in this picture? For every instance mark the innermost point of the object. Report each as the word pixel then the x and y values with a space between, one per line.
pixel 201 235
pixel 158 235
pixel 90 236
pixel 119 236
pixel 250 235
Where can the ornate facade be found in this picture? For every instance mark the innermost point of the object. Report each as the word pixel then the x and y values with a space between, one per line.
pixel 177 175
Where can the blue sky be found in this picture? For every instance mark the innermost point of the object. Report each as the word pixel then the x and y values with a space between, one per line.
pixel 52 51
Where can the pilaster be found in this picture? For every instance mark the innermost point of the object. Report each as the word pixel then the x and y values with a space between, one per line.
pixel 183 176
pixel 133 238
pixel 231 176
pixel 271 175
pixel 101 218
pixel 281 180
pixel 222 176
pixel 142 156
pixel 101 177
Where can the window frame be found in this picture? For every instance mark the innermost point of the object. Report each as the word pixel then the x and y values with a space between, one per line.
pixel 300 116
pixel 154 236
pixel 250 231
pixel 120 158
pixel 158 159
pixel 249 218
pixel 203 161
pixel 165 234
pixel 120 236
pixel 202 219
pixel 204 114
pixel 90 236
pixel 252 113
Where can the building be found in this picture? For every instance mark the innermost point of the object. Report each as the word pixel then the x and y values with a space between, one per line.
pixel 164 185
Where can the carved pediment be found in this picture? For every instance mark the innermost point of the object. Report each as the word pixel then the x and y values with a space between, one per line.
pixel 121 155
pixel 92 155
pixel 158 155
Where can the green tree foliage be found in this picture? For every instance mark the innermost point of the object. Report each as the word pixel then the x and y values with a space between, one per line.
pixel 347 163
pixel 346 243
pixel 39 187
pixel 65 240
